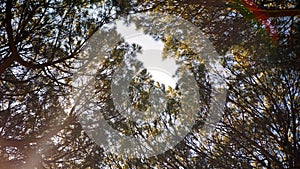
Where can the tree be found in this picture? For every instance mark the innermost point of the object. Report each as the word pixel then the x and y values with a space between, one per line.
pixel 40 41
pixel 260 118
pixel 41 49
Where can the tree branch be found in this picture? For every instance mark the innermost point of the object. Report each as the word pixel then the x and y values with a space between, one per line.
pixel 277 12
pixel 8 17
pixel 249 4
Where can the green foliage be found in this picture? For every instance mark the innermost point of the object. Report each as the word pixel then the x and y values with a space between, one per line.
pixel 38 123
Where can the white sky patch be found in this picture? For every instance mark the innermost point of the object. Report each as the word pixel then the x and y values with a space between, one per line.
pixel 162 70
pixel 162 76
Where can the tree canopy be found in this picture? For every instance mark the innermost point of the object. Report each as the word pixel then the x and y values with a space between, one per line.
pixel 43 45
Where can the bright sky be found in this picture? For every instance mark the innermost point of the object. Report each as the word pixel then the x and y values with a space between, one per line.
pixel 160 69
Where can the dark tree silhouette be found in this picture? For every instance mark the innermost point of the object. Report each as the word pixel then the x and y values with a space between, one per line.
pixel 41 51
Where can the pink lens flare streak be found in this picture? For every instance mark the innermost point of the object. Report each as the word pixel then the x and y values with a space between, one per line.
pixel 262 17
